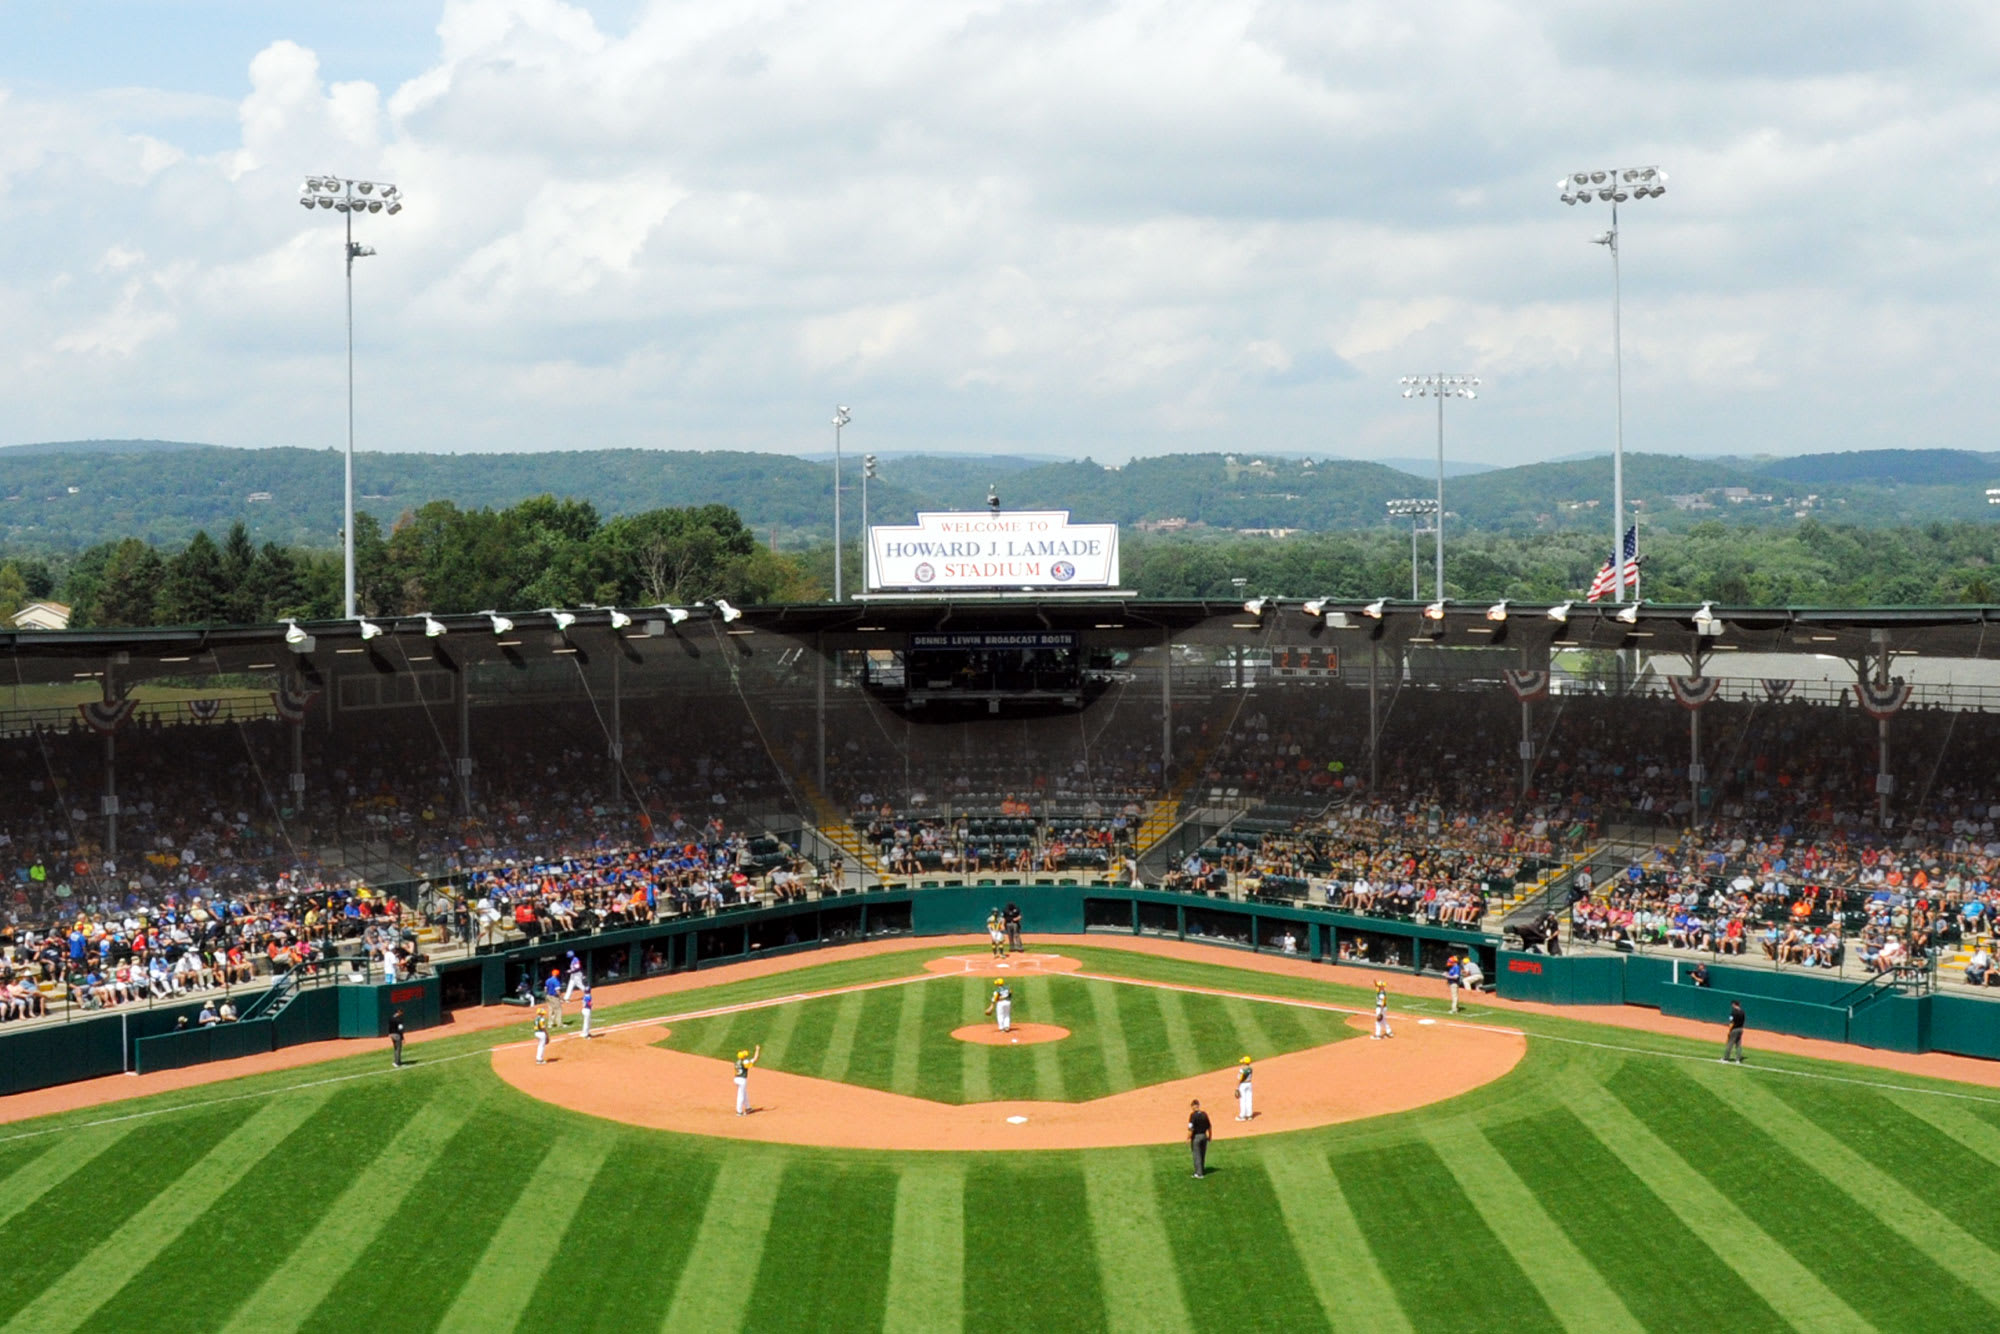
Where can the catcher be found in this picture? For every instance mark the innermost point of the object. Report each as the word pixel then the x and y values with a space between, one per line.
pixel 996 932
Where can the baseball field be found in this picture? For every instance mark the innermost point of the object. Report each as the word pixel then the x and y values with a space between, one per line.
pixel 1547 1173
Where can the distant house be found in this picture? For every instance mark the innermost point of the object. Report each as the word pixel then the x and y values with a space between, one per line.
pixel 42 616
pixel 257 497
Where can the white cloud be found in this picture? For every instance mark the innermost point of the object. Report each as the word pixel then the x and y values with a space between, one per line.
pixel 1132 226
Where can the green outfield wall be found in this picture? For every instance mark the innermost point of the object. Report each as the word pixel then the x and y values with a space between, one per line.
pixel 1800 1003
pixel 1787 1002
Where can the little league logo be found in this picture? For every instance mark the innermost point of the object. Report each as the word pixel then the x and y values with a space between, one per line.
pixel 925 573
pixel 1063 571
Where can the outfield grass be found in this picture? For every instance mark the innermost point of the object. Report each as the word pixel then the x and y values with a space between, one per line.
pixel 1613 1181
pixel 1121 1037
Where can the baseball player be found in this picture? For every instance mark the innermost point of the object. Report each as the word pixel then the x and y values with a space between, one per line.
pixel 1001 1007
pixel 541 1037
pixel 1454 976
pixel 586 1014
pixel 576 982
pixel 1382 1029
pixel 1243 1094
pixel 552 991
pixel 996 932
pixel 744 1060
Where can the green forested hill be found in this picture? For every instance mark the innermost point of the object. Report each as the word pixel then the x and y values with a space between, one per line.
pixel 59 498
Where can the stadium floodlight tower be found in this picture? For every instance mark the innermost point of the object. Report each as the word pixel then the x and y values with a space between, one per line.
pixel 841 416
pixel 1614 187
pixel 349 198
pixel 1440 387
pixel 1415 510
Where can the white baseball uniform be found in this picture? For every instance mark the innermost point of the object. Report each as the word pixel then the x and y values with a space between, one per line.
pixel 1382 1029
pixel 1243 1094
pixel 1003 1009
pixel 586 1014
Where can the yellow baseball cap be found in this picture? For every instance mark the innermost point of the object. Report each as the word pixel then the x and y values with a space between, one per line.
pixel 1244 1061
pixel 741 1054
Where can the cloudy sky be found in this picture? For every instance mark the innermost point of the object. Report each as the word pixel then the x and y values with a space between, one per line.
pixel 1048 226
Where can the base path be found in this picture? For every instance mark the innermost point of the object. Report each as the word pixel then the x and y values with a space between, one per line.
pixel 625 1077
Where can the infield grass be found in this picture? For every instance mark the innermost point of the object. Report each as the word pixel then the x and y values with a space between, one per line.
pixel 1122 1036
pixel 1614 1181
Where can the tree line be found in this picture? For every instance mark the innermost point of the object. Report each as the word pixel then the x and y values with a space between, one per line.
pixel 543 552
pixel 546 552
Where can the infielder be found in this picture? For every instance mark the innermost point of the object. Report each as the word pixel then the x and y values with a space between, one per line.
pixel 744 1060
pixel 1001 1007
pixel 1382 1029
pixel 541 1037
pixel 1243 1094
pixel 996 931
pixel 586 1014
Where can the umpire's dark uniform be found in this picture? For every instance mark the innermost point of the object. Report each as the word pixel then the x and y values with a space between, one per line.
pixel 396 1036
pixel 1199 1131
pixel 1732 1050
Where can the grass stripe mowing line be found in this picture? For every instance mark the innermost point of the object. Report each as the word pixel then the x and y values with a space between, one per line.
pixel 1450 1271
pixel 1142 1290
pixel 1794 1291
pixel 1182 1049
pixel 1338 1261
pixel 834 1223
pixel 53 1166
pixel 909 1039
pixel 626 1246
pixel 500 1286
pixel 1050 1086
pixel 95 1277
pixel 721 1268
pixel 1236 1272
pixel 838 1053
pixel 1253 1036
pixel 1953 1248
pixel 927 1250
pixel 1574 1290
pixel 778 1037
pixel 1969 1128
pixel 1674 1281
pixel 975 1080
pixel 1027 1240
pixel 300 1281
pixel 1110 1023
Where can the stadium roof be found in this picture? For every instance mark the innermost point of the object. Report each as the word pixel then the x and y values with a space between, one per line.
pixel 1845 632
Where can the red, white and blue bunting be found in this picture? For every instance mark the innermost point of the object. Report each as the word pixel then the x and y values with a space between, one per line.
pixel 1775 690
pixel 1880 702
pixel 204 710
pixel 1694 691
pixel 293 701
pixel 1527 685
pixel 106 716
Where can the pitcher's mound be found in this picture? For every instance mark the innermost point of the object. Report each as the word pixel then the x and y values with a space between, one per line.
pixel 1021 1034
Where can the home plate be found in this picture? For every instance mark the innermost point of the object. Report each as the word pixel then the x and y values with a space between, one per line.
pixel 1421 1022
pixel 1017 1120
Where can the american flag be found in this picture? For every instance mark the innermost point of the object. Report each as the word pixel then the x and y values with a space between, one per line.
pixel 1607 580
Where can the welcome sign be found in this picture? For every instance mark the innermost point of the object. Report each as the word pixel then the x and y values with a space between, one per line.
pixel 1013 549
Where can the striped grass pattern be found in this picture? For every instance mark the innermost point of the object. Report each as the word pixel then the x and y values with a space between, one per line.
pixel 1121 1037
pixel 1632 1184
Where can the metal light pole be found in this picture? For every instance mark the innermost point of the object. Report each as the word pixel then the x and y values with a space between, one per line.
pixel 1415 510
pixel 840 418
pixel 1614 187
pixel 1440 387
pixel 349 198
pixel 867 545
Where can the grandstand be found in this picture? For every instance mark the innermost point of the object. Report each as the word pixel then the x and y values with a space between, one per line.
pixel 205 809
